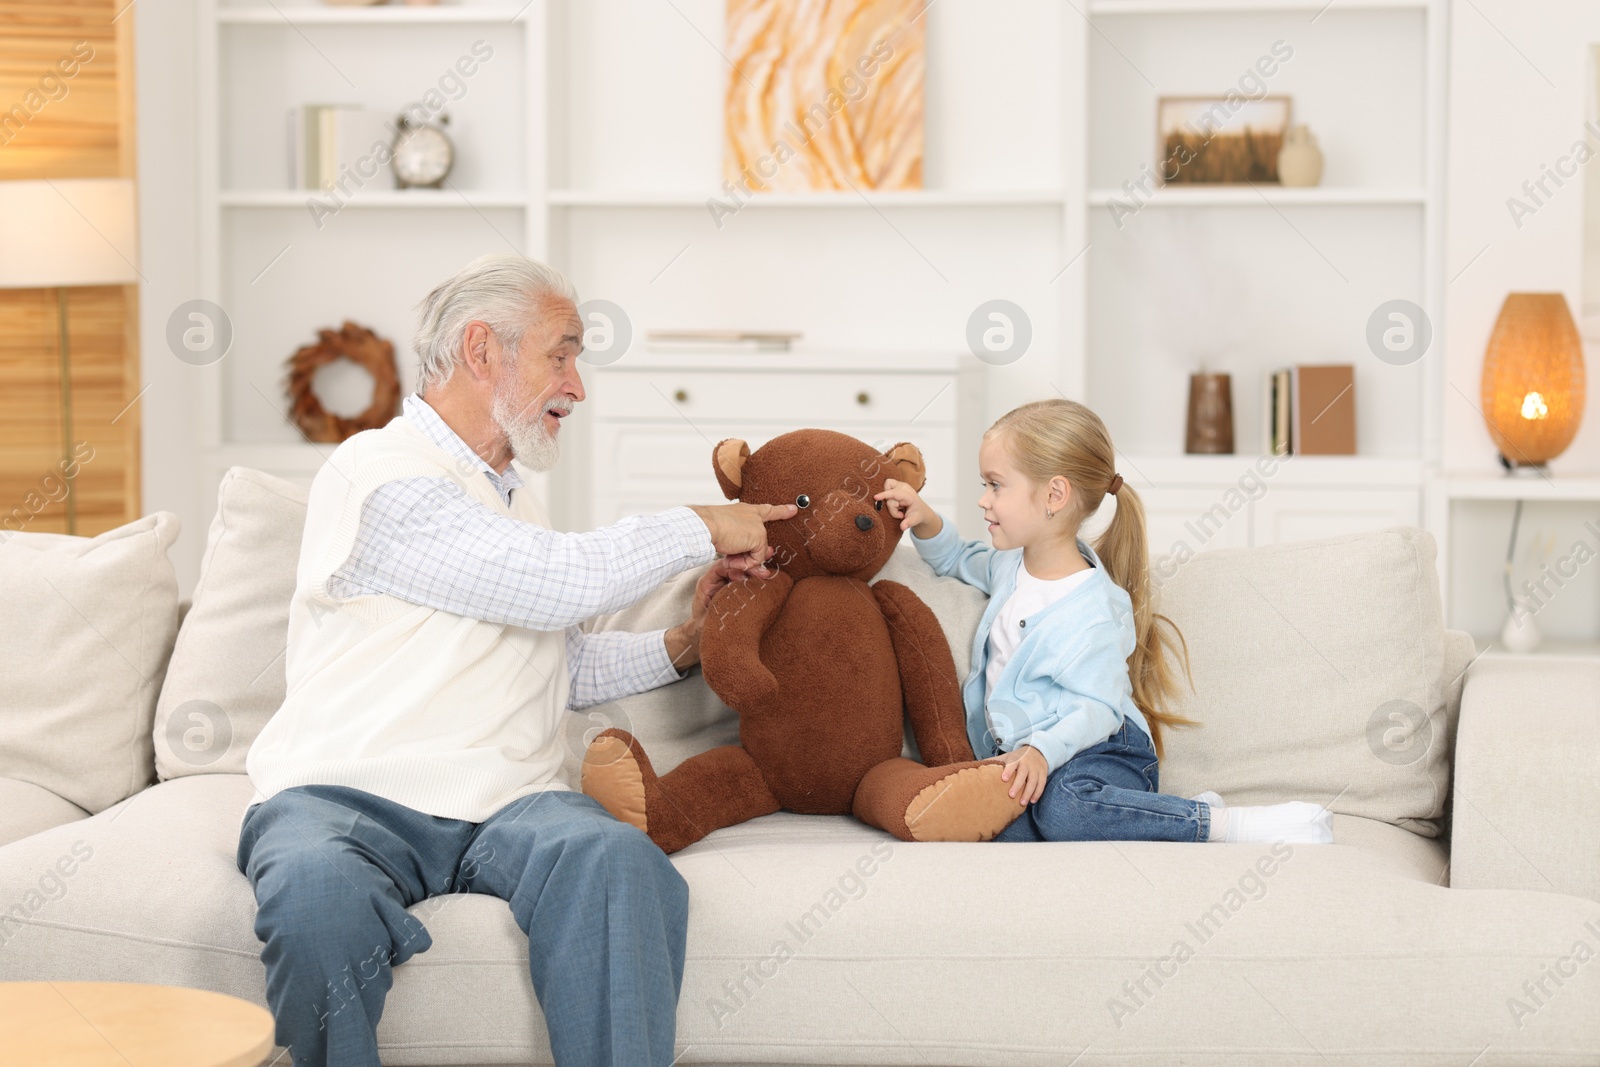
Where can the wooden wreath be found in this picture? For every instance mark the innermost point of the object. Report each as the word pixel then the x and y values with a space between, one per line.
pixel 366 350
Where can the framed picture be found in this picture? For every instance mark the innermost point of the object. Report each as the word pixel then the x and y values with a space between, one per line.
pixel 824 96
pixel 1217 139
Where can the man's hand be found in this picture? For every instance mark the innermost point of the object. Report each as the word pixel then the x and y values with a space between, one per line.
pixel 741 529
pixel 1031 770
pixel 683 640
pixel 909 508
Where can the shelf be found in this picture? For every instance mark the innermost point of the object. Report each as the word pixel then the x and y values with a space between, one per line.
pixel 1491 648
pixel 1257 196
pixel 1364 471
pixel 381 198
pixel 397 15
pixel 1233 7
pixel 1556 488
pixel 908 198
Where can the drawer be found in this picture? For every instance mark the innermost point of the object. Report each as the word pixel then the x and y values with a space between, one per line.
pixel 1285 515
pixel 639 456
pixel 794 399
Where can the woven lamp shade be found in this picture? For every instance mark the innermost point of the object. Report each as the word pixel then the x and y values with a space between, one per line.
pixel 1533 379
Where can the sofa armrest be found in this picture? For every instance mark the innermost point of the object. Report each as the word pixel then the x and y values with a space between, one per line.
pixel 1525 807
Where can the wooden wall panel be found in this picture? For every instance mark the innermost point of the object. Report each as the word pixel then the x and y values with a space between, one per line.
pixel 71 125
pixel 74 121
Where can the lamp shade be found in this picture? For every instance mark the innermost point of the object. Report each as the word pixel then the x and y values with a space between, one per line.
pixel 1533 379
pixel 67 231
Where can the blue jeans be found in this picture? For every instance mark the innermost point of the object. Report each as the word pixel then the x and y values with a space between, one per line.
pixel 1109 792
pixel 334 869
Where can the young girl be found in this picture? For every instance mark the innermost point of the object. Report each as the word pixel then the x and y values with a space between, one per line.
pixel 1072 671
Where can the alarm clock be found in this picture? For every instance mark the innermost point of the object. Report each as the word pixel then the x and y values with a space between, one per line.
pixel 421 154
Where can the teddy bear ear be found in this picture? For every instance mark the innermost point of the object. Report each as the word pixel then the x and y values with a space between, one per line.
pixel 905 465
pixel 728 459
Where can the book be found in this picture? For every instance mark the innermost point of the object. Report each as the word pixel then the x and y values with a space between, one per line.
pixel 1275 413
pixel 1322 417
pixel 1280 413
pixel 330 143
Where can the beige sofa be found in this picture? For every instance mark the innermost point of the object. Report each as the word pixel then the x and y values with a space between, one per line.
pixel 1452 923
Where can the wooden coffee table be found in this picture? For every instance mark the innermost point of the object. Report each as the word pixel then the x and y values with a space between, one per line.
pixel 89 1024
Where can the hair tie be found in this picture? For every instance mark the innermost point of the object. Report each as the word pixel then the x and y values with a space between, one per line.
pixel 1116 483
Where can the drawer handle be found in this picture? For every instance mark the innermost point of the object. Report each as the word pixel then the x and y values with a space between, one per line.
pixel 863 399
pixel 681 395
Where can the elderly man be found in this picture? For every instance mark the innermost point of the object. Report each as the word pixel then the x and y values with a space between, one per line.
pixel 433 653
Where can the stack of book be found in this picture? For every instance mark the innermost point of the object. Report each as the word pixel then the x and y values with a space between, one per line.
pixel 1310 410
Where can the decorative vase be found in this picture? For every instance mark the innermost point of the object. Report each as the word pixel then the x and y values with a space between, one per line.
pixel 1299 160
pixel 1521 634
pixel 1210 426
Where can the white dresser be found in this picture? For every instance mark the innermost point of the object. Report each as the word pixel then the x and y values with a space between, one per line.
pixel 655 417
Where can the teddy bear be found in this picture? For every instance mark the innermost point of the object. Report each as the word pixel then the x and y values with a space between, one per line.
pixel 823 667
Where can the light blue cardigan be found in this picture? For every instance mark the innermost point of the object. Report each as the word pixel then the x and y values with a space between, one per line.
pixel 1066 687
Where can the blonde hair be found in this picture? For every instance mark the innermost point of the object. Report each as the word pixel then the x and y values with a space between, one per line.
pixel 1062 437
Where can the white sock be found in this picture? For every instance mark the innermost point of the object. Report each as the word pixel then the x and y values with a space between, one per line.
pixel 1219 814
pixel 1296 822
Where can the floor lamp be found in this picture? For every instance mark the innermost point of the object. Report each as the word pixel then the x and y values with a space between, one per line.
pixel 65 232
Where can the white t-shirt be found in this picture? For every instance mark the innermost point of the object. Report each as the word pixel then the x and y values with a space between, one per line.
pixel 1029 597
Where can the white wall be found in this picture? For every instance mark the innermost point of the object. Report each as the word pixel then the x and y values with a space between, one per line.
pixel 1509 114
pixel 165 66
pixel 1517 83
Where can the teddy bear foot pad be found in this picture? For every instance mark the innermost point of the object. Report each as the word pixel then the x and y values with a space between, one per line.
pixel 968 805
pixel 612 776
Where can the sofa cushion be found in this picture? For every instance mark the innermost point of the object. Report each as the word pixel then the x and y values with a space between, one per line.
pixel 26 809
pixel 86 628
pixel 1318 675
pixel 820 940
pixel 227 677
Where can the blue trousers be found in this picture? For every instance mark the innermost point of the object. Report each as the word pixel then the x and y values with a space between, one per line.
pixel 1109 792
pixel 334 869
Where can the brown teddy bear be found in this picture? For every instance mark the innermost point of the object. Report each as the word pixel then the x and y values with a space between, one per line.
pixel 822 668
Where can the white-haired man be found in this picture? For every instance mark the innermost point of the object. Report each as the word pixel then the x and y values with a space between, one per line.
pixel 433 653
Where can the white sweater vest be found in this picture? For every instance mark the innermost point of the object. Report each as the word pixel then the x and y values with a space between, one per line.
pixel 447 715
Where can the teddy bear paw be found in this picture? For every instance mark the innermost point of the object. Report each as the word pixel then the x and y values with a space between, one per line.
pixel 970 804
pixel 613 775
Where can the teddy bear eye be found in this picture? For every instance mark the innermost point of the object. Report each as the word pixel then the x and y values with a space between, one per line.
pixel 877 505
pixel 802 501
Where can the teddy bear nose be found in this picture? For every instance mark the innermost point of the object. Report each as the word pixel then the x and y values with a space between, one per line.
pixel 863 522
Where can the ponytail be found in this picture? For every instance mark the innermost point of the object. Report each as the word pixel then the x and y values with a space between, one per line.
pixel 1158 644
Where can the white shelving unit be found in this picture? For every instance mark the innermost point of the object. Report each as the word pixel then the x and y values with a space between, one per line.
pixel 1491 648
pixel 1248 278
pixel 1181 7
pixel 1449 493
pixel 592 139
pixel 1270 195
pixel 281 274
pixel 387 198
pixel 864 199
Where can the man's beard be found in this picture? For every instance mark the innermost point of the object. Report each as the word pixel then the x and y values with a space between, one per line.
pixel 533 446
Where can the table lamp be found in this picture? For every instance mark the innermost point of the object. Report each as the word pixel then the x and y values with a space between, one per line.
pixel 60 233
pixel 1533 380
